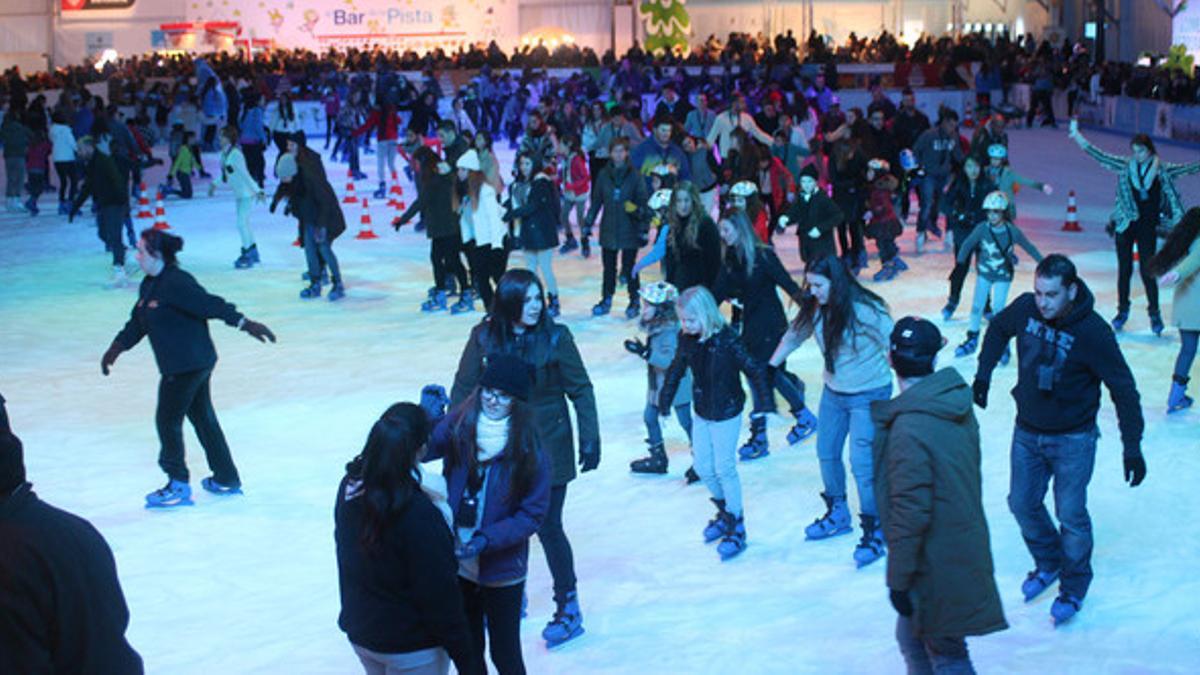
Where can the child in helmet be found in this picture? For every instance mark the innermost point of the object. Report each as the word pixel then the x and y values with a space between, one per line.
pixel 992 241
pixel 1006 180
pixel 963 206
pixel 660 322
pixel 658 203
pixel 882 224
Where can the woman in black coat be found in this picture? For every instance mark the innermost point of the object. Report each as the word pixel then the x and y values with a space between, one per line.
pixel 520 325
pixel 397 572
pixel 435 203
pixel 693 255
pixel 173 310
pixel 534 212
pixel 749 275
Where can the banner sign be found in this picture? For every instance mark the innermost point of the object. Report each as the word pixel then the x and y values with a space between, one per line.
pixel 401 24
pixel 76 5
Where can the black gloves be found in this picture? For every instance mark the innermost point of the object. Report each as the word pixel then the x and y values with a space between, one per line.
pixel 396 224
pixel 1135 468
pixel 901 602
pixel 114 350
pixel 434 401
pixel 258 331
pixel 980 390
pixel 589 456
pixel 638 348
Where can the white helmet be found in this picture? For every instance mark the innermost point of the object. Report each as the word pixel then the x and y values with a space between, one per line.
pixel 995 201
pixel 743 189
pixel 660 199
pixel 997 151
pixel 658 293
pixel 879 164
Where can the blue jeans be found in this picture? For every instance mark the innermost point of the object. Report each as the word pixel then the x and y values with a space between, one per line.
pixel 1068 459
pixel 318 251
pixel 931 188
pixel 654 436
pixel 841 415
pixel 714 454
pixel 944 656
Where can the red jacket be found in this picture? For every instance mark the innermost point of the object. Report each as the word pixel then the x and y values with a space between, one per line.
pixel 576 179
pixel 762 227
pixel 388 127
pixel 782 184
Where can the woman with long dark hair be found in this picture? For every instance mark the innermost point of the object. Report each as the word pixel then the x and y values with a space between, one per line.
pixel 1178 265
pixel 852 327
pixel 284 122
pixel 435 203
pixel 498 488
pixel 749 274
pixel 402 607
pixel 1145 195
pixel 693 255
pixel 534 211
pixel 173 310
pixel 519 325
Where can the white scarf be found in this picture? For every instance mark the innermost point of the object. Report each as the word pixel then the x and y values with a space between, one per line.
pixel 490 437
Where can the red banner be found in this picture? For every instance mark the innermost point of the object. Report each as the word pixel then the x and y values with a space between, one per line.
pixel 76 5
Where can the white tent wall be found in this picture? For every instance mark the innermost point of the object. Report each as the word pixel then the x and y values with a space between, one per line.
pixel 130 28
pixel 25 34
pixel 588 21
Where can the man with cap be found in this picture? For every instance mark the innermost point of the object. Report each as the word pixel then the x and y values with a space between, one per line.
pixel 815 216
pixel 61 605
pixel 928 487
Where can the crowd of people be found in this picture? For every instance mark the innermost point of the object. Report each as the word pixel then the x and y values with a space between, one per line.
pixel 705 185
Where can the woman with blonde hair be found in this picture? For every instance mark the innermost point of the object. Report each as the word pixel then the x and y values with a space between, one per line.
pixel 693 254
pixel 716 357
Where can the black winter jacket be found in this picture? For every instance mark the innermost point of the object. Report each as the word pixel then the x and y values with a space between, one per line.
pixel 174 309
pixel 820 212
pixel 963 205
pixel 716 365
pixel 763 318
pixel 404 597
pixel 61 605
pixel 615 186
pixel 435 204
pixel 103 183
pixel 539 215
pixel 1078 352
pixel 686 266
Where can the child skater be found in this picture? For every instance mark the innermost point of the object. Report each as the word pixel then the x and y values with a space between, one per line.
pixel 716 356
pixel 883 226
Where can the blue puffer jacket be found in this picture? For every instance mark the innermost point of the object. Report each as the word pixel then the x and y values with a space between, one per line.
pixel 214 103
pixel 506 522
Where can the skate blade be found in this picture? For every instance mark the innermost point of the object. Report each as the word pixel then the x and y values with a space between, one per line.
pixel 170 506
pixel 831 535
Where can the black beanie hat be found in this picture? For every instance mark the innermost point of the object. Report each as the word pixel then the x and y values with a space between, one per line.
pixel 509 374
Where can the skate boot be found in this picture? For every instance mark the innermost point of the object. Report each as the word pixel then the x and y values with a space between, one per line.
pixel 252 252
pixel 871 547
pixel 466 303
pixel 1036 582
pixel 1178 399
pixel 716 527
pixel 1064 608
pixel 734 541
pixel 32 207
pixel 381 192
pixel 900 264
pixel 451 287
pixel 887 272
pixel 175 493
pixel 337 292
pixel 435 303
pixel 248 259
pixel 691 476
pixel 585 248
pixel 806 425
pixel 655 463
pixel 242 261
pixel 948 310
pixel 211 485
pixel 603 307
pixel 569 245
pixel 634 308
pixel 552 307
pixel 756 446
pixel 1118 321
pixel 835 521
pixel 567 623
pixel 313 291
pixel 969 345
pixel 1156 322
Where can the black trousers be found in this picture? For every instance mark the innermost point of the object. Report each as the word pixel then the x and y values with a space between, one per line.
pixel 110 219
pixel 487 266
pixel 443 254
pixel 559 556
pixel 1143 233
pixel 255 164
pixel 499 610
pixel 188 394
pixel 850 230
pixel 958 275
pixel 609 258
pixel 68 173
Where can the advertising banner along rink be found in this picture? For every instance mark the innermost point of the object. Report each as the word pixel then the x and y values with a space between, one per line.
pixel 403 24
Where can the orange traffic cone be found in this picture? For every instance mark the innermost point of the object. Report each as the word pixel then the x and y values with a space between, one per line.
pixel 396 189
pixel 350 198
pixel 160 213
pixel 1072 222
pixel 143 203
pixel 364 227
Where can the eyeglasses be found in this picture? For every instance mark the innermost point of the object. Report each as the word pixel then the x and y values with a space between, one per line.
pixel 497 396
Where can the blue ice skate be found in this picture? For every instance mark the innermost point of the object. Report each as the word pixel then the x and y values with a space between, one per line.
pixel 806 425
pixel 871 547
pixel 734 541
pixel 211 485
pixel 567 623
pixel 716 527
pixel 1064 608
pixel 835 521
pixel 1036 582
pixel 175 493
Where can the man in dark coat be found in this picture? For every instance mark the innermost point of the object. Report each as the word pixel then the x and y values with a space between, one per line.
pixel 815 216
pixel 928 483
pixel 623 194
pixel 316 206
pixel 61 605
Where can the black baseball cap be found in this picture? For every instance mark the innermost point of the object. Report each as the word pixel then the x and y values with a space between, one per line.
pixel 915 343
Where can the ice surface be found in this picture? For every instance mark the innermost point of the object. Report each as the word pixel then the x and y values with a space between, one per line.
pixel 249 584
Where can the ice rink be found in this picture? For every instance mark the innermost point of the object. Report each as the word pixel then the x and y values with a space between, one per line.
pixel 249 584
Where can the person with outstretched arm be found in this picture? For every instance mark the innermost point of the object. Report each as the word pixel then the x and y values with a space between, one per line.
pixel 1064 351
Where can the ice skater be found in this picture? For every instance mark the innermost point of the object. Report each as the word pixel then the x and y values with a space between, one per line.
pixel 1064 351
pixel 815 216
pixel 716 357
pixel 535 217
pixel 1178 264
pixel 622 193
pixel 173 310
pixel 963 206
pixel 851 326
pixel 435 204
pixel 246 191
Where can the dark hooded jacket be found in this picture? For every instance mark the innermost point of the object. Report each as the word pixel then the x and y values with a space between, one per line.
pixel 929 489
